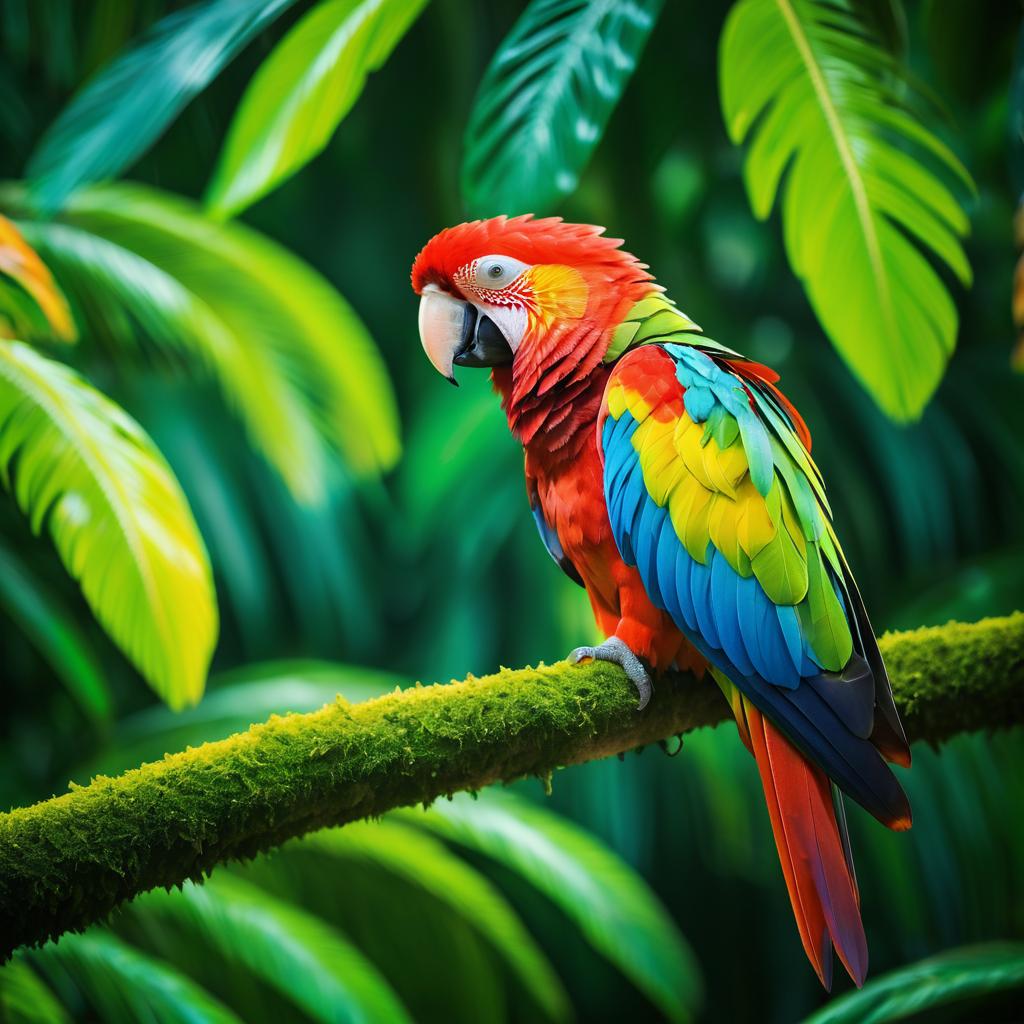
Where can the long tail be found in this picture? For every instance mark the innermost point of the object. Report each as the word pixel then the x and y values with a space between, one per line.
pixel 813 847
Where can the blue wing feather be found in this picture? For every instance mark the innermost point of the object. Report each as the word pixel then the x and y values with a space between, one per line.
pixel 724 586
pixel 684 590
pixel 700 592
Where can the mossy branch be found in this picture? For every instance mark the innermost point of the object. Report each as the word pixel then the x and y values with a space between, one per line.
pixel 66 862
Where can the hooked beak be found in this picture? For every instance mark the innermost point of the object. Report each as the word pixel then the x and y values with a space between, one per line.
pixel 454 333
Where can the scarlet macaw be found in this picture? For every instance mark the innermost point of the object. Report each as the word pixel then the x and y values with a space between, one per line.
pixel 671 478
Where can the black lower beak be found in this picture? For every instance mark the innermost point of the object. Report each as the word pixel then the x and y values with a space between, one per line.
pixel 482 343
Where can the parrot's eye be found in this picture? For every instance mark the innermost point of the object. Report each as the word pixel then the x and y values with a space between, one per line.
pixel 497 271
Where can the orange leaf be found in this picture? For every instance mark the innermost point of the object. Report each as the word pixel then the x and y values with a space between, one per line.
pixel 20 262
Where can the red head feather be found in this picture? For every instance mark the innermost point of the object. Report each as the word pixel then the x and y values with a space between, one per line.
pixel 550 368
pixel 532 240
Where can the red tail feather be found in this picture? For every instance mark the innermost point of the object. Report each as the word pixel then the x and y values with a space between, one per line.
pixel 820 879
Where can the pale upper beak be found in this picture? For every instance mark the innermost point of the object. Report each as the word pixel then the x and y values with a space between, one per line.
pixel 452 332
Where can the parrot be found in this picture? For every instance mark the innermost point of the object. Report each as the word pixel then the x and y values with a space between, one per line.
pixel 671 478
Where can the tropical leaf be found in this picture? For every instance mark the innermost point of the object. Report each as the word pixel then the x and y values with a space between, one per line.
pixel 427 864
pixel 80 466
pixel 266 296
pixel 865 181
pixel 429 950
pixel 56 636
pixel 19 262
pixel 300 94
pixel 952 977
pixel 123 985
pixel 129 104
pixel 20 317
pixel 610 903
pixel 290 575
pixel 297 954
pixel 25 999
pixel 120 294
pixel 545 99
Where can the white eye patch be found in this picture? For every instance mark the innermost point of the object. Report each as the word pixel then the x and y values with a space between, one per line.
pixel 496 271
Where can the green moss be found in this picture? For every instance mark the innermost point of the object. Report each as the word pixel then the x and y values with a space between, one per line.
pixel 68 861
pixel 959 677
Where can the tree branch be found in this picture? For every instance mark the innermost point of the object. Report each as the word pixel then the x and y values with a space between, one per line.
pixel 66 862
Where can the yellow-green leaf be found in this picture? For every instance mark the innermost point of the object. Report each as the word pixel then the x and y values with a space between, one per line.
pixel 300 94
pixel 83 470
pixel 866 187
pixel 264 296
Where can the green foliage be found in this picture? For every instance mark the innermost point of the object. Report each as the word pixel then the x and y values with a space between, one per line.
pixel 593 888
pixel 425 864
pixel 290 356
pixel 545 100
pixel 228 934
pixel 961 975
pixel 55 633
pixel 435 735
pixel 120 113
pixel 25 999
pixel 300 94
pixel 267 297
pixel 80 466
pixel 829 108
pixel 120 984
pixel 22 265
pixel 313 966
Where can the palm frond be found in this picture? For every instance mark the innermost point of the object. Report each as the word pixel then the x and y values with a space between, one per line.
pixel 425 864
pixel 292 951
pixel 129 104
pixel 267 297
pixel 20 317
pixel 120 295
pixel 25 999
pixel 545 99
pixel 300 94
pixel 612 906
pixel 79 466
pixel 125 986
pixel 52 629
pixel 953 977
pixel 867 201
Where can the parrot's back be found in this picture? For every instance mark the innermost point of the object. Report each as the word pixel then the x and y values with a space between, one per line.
pixel 713 496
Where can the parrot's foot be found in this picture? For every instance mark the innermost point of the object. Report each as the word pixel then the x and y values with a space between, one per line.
pixel 618 653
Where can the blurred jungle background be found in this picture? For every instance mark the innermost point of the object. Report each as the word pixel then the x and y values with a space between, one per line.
pixel 205 183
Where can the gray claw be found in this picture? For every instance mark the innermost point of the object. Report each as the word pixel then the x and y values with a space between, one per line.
pixel 615 651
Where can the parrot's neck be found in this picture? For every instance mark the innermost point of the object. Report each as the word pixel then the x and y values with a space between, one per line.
pixel 552 393
pixel 554 426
